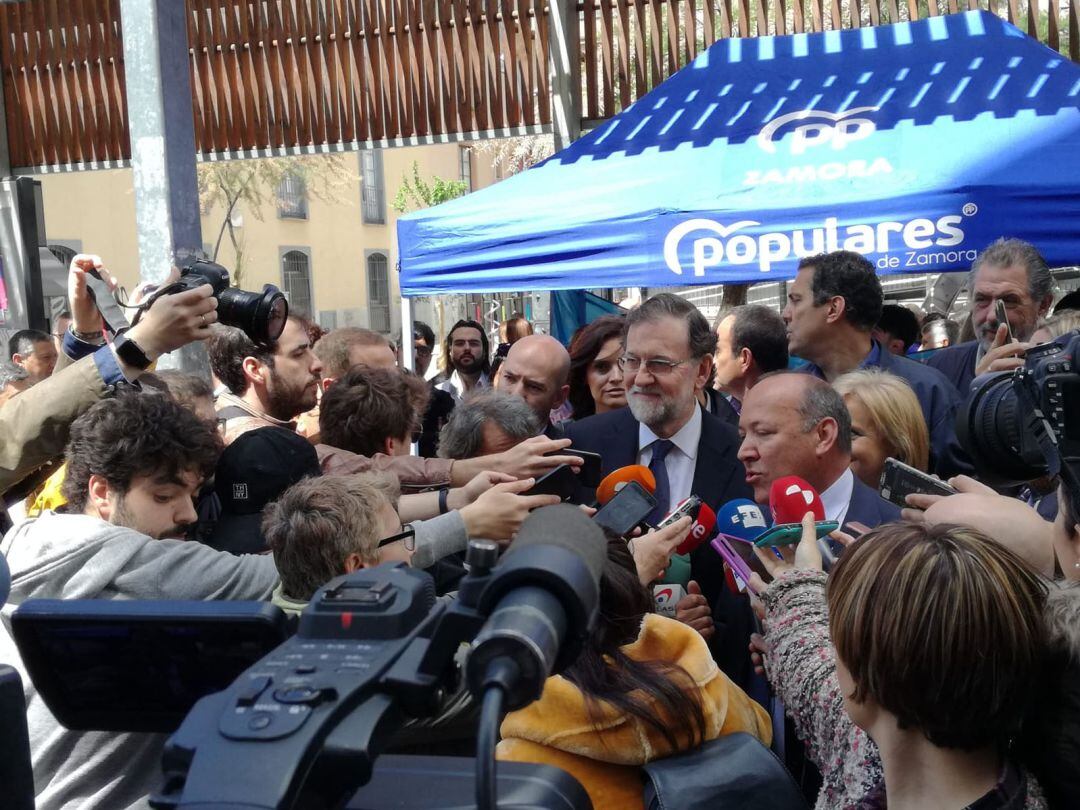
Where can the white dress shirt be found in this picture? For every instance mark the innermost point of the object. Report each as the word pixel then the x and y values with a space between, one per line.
pixel 837 498
pixel 455 386
pixel 680 460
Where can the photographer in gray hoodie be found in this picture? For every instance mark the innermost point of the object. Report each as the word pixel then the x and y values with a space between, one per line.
pixel 134 464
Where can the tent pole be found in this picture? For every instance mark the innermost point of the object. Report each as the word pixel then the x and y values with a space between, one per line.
pixel 408 357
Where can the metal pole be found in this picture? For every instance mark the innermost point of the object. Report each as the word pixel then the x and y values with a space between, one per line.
pixel 408 351
pixel 564 68
pixel 162 146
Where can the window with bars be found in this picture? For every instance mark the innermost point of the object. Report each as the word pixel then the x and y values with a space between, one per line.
pixel 372 188
pixel 292 198
pixel 296 280
pixel 465 156
pixel 63 254
pixel 378 278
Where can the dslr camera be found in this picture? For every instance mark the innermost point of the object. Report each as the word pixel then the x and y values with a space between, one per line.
pixel 261 315
pixel 1025 424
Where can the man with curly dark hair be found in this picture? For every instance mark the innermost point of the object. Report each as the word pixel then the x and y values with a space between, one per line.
pixel 134 464
pixel 833 305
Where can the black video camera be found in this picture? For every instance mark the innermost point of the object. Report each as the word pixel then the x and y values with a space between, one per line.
pixel 261 315
pixel 1025 424
pixel 302 725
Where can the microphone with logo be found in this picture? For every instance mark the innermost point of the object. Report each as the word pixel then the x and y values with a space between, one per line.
pixel 614 481
pixel 740 522
pixel 790 498
pixel 672 586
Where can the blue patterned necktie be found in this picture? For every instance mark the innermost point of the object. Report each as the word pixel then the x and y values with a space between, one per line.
pixel 660 449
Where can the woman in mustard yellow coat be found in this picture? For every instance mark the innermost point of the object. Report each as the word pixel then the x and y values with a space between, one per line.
pixel 644 688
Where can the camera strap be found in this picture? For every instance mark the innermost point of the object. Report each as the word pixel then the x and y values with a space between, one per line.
pixel 115 318
pixel 1037 423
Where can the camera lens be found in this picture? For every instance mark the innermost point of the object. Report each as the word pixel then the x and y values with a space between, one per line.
pixel 261 315
pixel 990 426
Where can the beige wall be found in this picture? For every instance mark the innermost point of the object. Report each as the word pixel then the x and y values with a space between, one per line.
pixel 95 211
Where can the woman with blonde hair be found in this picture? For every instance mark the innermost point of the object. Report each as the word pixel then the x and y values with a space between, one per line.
pixel 886 420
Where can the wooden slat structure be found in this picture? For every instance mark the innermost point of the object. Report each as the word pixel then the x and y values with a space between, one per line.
pixel 626 55
pixel 278 77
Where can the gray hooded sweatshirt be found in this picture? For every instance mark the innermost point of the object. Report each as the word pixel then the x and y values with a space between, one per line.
pixel 79 557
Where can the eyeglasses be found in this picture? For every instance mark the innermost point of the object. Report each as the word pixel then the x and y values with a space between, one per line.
pixel 656 367
pixel 407 535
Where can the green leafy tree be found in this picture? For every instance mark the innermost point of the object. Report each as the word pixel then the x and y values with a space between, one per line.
pixel 416 193
pixel 229 185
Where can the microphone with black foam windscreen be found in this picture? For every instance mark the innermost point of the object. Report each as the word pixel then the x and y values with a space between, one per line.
pixel 617 479
pixel 542 602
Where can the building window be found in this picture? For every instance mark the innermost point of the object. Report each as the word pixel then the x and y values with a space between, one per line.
pixel 372 188
pixel 63 254
pixel 465 156
pixel 296 280
pixel 292 198
pixel 378 279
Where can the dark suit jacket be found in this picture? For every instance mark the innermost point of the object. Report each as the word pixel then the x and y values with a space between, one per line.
pixel 869 508
pixel 554 432
pixel 440 406
pixel 718 405
pixel 940 402
pixel 718 478
pixel 957 363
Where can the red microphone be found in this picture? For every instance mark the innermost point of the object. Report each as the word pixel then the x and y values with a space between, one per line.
pixel 701 530
pixel 614 481
pixel 790 498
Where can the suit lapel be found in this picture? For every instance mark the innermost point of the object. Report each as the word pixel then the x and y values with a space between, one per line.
pixel 713 469
pixel 620 448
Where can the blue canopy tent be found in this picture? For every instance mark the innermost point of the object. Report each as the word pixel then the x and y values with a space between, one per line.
pixel 915 144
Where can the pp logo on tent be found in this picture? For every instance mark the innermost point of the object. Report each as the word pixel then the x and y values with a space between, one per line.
pixel 820 128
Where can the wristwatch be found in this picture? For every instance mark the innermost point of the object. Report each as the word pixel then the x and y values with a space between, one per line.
pixel 130 352
pixel 93 338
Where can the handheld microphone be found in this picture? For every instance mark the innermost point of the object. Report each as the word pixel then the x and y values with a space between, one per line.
pixel 703 528
pixel 790 498
pixel 741 519
pixel 616 480
pixel 541 602
pixel 667 596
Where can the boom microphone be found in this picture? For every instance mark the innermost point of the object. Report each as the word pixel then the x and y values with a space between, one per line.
pixel 790 498
pixel 616 480
pixel 542 603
